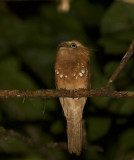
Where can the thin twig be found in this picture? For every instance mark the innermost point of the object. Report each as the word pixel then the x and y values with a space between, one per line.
pixel 124 60
pixel 99 92
pixel 43 148
pixel 4 133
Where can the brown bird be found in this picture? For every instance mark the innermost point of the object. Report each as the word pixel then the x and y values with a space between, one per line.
pixel 72 72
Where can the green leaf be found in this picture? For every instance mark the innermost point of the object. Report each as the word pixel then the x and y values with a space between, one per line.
pixel 126 140
pixel 125 107
pixel 57 127
pixel 98 127
pixel 12 77
pixel 117 27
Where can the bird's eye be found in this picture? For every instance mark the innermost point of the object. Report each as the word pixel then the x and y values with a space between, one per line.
pixel 73 45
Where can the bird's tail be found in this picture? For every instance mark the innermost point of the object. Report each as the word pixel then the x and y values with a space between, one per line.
pixel 74 131
pixel 73 110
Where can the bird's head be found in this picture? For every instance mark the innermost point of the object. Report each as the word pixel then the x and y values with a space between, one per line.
pixel 73 48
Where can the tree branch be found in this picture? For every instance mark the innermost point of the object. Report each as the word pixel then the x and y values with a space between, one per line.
pixel 124 60
pixel 99 92
pixel 4 134
pixel 11 133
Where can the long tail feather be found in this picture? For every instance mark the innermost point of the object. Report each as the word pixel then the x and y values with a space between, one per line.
pixel 74 131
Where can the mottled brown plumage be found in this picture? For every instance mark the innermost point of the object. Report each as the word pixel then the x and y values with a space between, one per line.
pixel 72 71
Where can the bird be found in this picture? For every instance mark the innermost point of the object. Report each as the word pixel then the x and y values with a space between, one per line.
pixel 72 72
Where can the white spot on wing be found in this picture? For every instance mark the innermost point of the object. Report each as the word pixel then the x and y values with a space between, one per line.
pixel 61 76
pixel 65 76
pixel 57 72
pixel 83 71
pixel 80 74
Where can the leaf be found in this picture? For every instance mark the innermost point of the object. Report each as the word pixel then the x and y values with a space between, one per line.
pixel 125 107
pixel 126 140
pixel 117 27
pixel 57 127
pixel 98 127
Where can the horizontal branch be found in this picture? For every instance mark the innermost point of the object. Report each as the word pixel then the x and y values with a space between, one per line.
pixel 99 92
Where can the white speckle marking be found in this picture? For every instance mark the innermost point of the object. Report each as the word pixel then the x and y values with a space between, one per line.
pixel 65 76
pixel 76 77
pixel 80 74
pixel 57 72
pixel 61 76
pixel 74 74
pixel 83 71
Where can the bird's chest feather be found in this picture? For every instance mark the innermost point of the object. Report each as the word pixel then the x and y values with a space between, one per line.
pixel 71 74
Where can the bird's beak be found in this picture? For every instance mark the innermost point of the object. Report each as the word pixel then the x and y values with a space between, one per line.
pixel 62 45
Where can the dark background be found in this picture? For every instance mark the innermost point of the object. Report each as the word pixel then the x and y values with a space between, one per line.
pixel 30 32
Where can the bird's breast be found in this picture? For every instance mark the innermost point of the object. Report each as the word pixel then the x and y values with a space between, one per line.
pixel 71 75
